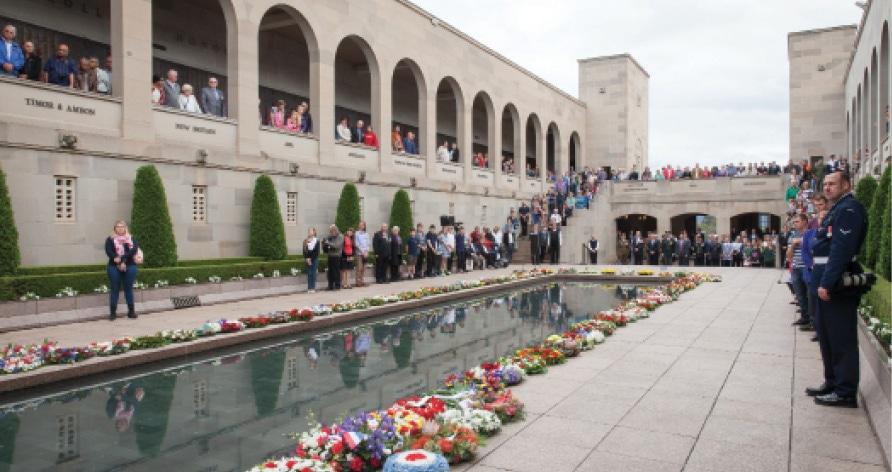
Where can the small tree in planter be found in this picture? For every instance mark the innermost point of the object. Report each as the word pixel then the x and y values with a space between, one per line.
pixel 10 258
pixel 879 208
pixel 267 229
pixel 864 192
pixel 150 219
pixel 401 213
pixel 348 208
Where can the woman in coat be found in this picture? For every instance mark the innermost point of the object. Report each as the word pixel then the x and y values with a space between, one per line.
pixel 123 254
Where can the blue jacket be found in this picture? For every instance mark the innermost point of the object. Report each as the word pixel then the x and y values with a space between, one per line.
pixel 839 238
pixel 808 240
pixel 409 146
pixel 16 58
pixel 459 242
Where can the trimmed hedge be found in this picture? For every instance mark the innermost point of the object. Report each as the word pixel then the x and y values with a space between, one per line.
pixel 348 209
pixel 10 258
pixel 267 239
pixel 150 219
pixel 47 285
pixel 864 192
pixel 878 209
pixel 880 297
pixel 401 214
pixel 68 269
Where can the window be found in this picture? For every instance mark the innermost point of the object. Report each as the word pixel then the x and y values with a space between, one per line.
pixel 66 438
pixel 65 199
pixel 483 215
pixel 291 209
pixel 764 221
pixel 199 204
pixel 451 208
pixel 291 372
pixel 200 399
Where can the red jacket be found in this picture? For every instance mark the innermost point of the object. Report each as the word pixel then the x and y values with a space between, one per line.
pixel 370 139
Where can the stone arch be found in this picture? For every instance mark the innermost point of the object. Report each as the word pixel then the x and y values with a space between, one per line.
pixel 874 108
pixel 867 96
pixel 885 70
pixel 511 136
pixel 483 125
pixel 631 222
pixel 296 80
pixel 533 151
pixel 574 148
pixel 450 114
pixel 693 223
pixel 357 82
pixel 553 148
pixel 408 102
pixel 221 28
pixel 762 222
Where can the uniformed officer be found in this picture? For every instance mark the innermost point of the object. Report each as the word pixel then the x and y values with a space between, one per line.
pixel 838 240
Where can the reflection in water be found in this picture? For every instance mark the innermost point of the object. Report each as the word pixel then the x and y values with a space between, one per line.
pixel 200 416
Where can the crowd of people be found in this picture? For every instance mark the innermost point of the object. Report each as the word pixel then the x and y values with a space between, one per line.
pixel 752 249
pixel 295 120
pixel 168 92
pixel 358 133
pixel 24 61
pixel 424 253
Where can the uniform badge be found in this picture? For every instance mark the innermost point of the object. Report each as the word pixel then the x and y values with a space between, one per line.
pixel 830 231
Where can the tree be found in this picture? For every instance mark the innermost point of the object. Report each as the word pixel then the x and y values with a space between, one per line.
pixel 401 214
pixel 348 208
pixel 267 229
pixel 878 208
pixel 266 378
pixel 152 413
pixel 864 192
pixel 10 258
pixel 150 219
pixel 883 257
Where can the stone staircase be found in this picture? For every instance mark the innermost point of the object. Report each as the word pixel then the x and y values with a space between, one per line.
pixel 577 232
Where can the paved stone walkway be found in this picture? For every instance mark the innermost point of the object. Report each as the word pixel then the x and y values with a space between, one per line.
pixel 712 382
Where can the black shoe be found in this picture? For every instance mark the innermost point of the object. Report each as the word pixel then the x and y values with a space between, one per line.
pixel 807 327
pixel 113 314
pixel 131 313
pixel 814 339
pixel 833 399
pixel 800 322
pixel 824 389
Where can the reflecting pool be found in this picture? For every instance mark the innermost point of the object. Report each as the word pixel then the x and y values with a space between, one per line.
pixel 228 410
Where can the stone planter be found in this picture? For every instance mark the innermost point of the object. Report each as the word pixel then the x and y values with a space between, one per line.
pixel 153 294
pixel 876 387
pixel 186 290
pixel 56 304
pixel 93 300
pixel 17 308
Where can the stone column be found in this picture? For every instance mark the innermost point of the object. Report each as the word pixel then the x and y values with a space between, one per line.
pixel 429 140
pixel 520 153
pixel 465 138
pixel 326 122
pixel 494 128
pixel 131 41
pixel 541 157
pixel 244 85
pixel 384 116
pixel 563 157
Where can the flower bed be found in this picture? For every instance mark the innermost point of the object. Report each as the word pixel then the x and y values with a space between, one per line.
pixel 23 358
pixel 455 420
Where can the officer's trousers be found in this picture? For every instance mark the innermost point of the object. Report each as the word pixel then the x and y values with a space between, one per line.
pixel 837 331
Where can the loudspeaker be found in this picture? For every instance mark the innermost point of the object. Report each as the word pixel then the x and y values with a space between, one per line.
pixel 447 220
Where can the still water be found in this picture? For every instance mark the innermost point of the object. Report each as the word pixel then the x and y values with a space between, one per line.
pixel 229 410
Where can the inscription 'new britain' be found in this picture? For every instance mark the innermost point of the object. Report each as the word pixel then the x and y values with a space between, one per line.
pixel 195 129
pixel 50 105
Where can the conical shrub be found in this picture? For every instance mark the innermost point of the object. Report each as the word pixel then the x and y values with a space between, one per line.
pixel 267 228
pixel 150 219
pixel 348 208
pixel 10 258
pixel 401 213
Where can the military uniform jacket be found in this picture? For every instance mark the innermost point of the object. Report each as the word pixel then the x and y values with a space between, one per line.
pixel 839 238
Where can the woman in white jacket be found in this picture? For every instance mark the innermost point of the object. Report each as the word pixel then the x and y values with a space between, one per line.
pixel 187 100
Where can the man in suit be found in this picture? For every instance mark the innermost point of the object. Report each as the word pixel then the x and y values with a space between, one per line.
pixel 460 250
pixel 212 100
pixel 683 250
pixel 171 90
pixel 593 249
pixel 357 134
pixel 544 242
pixel 554 243
pixel 381 246
pixel 534 244
pixel 422 250
pixel 396 251
pixel 653 250
pixel 638 249
pixel 11 57
pixel 667 249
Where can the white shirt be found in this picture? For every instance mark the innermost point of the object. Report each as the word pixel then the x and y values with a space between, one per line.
pixel 443 154
pixel 449 240
pixel 189 103
pixel 343 133
pixel 8 45
pixel 156 96
pixel 362 242
pixel 556 218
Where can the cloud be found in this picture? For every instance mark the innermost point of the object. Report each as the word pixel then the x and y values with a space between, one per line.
pixel 719 72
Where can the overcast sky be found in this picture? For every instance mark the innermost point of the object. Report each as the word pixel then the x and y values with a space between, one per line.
pixel 718 69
